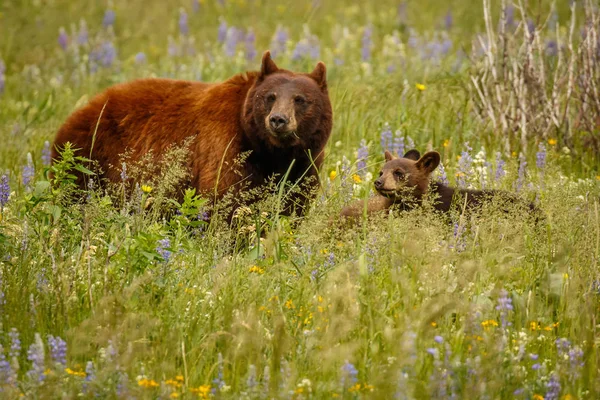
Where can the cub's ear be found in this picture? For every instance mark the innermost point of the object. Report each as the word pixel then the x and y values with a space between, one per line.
pixel 412 155
pixel 389 156
pixel 268 66
pixel 429 161
pixel 319 74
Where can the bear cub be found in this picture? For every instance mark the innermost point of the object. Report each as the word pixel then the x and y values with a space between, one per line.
pixel 405 181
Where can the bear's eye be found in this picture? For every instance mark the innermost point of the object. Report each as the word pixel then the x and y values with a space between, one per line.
pixel 398 174
pixel 299 100
pixel 271 98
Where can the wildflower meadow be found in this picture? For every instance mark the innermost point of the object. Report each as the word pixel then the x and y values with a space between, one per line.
pixel 122 292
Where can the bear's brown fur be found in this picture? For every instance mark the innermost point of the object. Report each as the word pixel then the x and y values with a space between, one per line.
pixel 404 182
pixel 276 114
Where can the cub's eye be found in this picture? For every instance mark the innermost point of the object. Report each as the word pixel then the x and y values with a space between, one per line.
pixel 380 173
pixel 299 100
pixel 271 98
pixel 398 174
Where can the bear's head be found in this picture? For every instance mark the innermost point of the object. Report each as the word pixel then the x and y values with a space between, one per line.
pixel 406 178
pixel 287 109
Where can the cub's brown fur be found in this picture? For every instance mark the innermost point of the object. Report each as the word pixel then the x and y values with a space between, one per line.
pixel 405 181
pixel 276 115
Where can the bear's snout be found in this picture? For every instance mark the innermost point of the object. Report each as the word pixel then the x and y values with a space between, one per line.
pixel 378 184
pixel 279 122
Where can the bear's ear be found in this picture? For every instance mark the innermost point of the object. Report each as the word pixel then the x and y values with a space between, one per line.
pixel 389 156
pixel 412 155
pixel 319 74
pixel 429 161
pixel 268 66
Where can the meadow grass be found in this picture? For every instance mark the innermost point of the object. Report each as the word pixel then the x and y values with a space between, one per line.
pixel 113 297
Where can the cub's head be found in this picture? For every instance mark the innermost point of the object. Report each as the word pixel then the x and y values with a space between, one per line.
pixel 289 109
pixel 406 177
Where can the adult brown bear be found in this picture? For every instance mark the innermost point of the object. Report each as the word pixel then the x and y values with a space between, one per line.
pixel 275 114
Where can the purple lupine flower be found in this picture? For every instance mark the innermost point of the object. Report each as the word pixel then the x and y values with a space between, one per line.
pixel 219 382
pixel 140 58
pixel 521 176
pixel 46 154
pixel 361 158
pixel 500 163
pixel 438 339
pixel 15 343
pixel 108 53
pixel 330 261
pixel 551 48
pixel 58 350
pixel 6 372
pixel 464 165
pixel 109 18
pixel 2 76
pixel 410 143
pixel 553 387
pixel 442 177
pixel 433 351
pixel 279 42
pixel 448 20
pixel 536 366
pixel 366 44
pixel 231 41
pixel 2 297
pixel 184 28
pixel 35 354
pixel 349 374
pixel 4 191
pixel 63 38
pixel 251 380
pixel 82 35
pixel 540 157
pixel 510 15
pixel 530 26
pixel 250 45
pixel 386 138
pixel 28 171
pixel 459 239
pixel 172 47
pixel 534 356
pixel 195 6
pixel 163 249
pixel 222 31
pixel 573 355
pixel 90 375
pixel 124 175
pixel 122 383
pixel 399 143
pixel 505 307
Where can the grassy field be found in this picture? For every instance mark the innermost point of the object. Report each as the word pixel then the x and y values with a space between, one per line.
pixel 107 298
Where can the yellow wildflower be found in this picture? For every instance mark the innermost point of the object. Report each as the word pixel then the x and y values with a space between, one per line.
pixel 420 87
pixel 146 188
pixel 256 269
pixel 514 154
pixel 320 309
pixel 446 143
pixel 488 323
pixel 202 391
pixel 566 276
pixel 75 373
pixel 368 387
pixel 568 397
pixel 332 174
pixel 148 383
pixel 534 326
pixel 552 142
pixel 320 299
pixel 172 382
pixel 548 328
pixel 299 390
pixel 354 388
pixel 179 378
pixel 174 395
pixel 538 397
pixel 434 324
pixel 289 304
pixel 335 395
pixel 598 177
pixel 356 178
